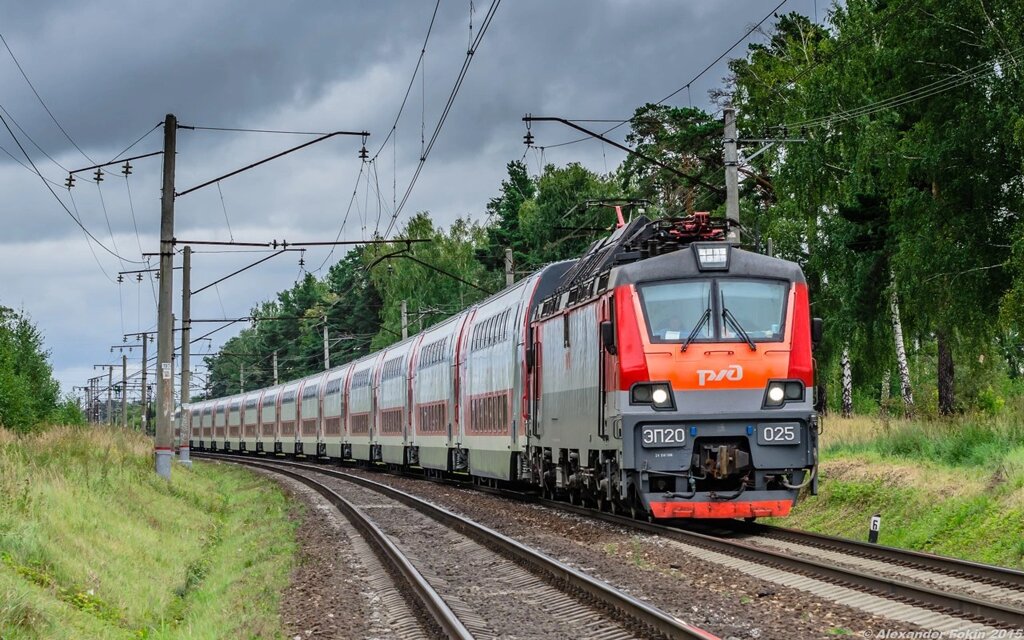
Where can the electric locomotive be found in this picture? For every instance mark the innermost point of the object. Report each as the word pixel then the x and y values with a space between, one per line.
pixel 665 372
pixel 673 375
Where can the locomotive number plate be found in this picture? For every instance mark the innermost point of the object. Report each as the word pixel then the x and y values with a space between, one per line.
pixel 663 436
pixel 778 433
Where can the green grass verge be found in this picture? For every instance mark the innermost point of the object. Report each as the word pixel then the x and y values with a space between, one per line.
pixel 953 487
pixel 94 545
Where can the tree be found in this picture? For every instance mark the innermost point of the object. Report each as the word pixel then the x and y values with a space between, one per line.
pixel 29 395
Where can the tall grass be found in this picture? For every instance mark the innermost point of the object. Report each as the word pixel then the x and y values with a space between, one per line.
pixel 94 544
pixel 953 486
pixel 975 441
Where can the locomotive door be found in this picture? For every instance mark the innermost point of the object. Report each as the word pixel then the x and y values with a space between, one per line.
pixel 607 371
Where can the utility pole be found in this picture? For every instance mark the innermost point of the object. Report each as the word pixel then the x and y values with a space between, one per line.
pixel 165 324
pixel 144 423
pixel 405 319
pixel 241 378
pixel 732 184
pixel 124 391
pixel 327 348
pixel 186 335
pixel 110 395
pixel 275 367
pixel 88 402
pixel 510 274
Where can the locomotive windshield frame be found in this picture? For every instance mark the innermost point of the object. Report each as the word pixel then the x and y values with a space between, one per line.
pixel 716 323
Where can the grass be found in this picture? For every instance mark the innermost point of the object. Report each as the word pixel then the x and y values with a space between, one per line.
pixel 94 545
pixel 954 487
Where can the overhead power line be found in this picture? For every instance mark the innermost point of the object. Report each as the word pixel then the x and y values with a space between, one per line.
pixel 61 202
pixel 965 77
pixel 686 86
pixel 41 101
pixel 484 26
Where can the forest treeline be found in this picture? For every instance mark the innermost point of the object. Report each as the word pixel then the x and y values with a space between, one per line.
pixel 885 154
pixel 29 394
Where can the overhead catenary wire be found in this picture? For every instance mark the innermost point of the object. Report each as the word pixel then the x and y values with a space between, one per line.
pixel 484 26
pixel 686 86
pixel 41 101
pixel 57 198
pixel 954 81
pixel 30 138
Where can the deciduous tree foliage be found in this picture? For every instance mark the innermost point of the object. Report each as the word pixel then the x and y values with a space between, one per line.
pixel 29 396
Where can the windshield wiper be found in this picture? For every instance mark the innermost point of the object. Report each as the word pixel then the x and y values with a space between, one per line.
pixel 730 318
pixel 693 334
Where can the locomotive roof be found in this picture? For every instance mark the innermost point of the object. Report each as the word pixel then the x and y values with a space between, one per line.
pixel 683 263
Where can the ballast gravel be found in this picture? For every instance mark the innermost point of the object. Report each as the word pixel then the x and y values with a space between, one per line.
pixel 334 590
pixel 725 602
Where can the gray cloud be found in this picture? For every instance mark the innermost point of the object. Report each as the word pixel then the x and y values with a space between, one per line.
pixel 110 71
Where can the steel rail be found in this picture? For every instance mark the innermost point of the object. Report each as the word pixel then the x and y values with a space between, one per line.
pixel 438 609
pixel 933 599
pixel 991 574
pixel 598 591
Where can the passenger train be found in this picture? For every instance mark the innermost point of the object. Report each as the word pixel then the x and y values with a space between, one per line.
pixel 666 373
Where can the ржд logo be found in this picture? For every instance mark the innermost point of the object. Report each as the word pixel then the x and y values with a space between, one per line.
pixel 732 372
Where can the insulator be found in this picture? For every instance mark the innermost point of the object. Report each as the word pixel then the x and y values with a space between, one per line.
pixel 803 132
pixel 363 153
pixel 528 138
pixel 99 175
pixel 70 182
pixel 120 278
pixel 127 168
pixel 785 132
pixel 157 275
pixel 139 277
pixel 124 339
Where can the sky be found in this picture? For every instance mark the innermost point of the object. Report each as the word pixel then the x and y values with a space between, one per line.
pixel 106 73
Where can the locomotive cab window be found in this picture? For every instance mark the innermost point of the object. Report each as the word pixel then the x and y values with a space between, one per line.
pixel 756 305
pixel 715 310
pixel 674 309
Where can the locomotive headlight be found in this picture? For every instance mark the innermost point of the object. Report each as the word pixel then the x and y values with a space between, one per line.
pixel 656 394
pixel 779 392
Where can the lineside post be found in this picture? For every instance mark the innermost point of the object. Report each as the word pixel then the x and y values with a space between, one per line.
pixel 110 395
pixel 732 190
pixel 186 336
pixel 163 442
pixel 124 391
pixel 327 348
pixel 144 420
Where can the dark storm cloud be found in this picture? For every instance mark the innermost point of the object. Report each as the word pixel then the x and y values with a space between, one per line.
pixel 110 70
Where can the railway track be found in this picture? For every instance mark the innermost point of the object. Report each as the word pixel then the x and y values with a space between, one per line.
pixel 471 580
pixel 936 592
